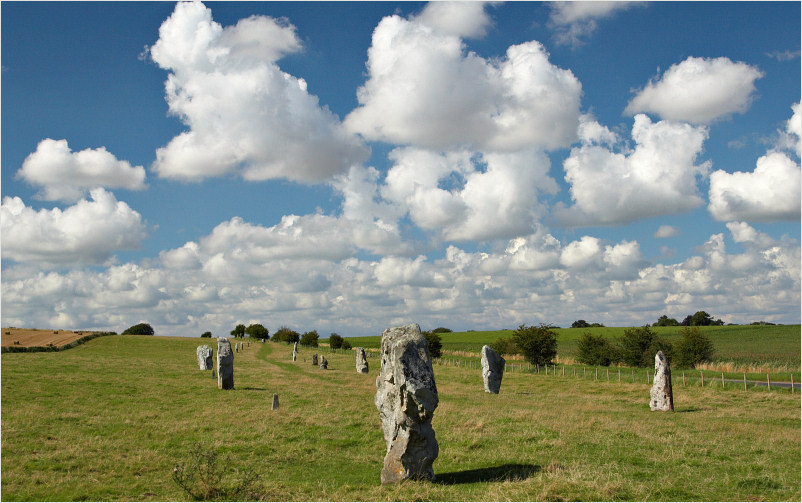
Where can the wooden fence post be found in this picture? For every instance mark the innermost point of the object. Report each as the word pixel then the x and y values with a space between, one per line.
pixel 722 380
pixel 633 376
pixel 792 384
pixel 703 378
pixel 563 370
pixel 768 379
pixel 619 375
pixel 683 378
pixel 596 376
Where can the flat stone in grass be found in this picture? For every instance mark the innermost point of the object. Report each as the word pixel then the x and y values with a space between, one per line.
pixel 361 361
pixel 662 396
pixel 225 364
pixel 406 397
pixel 492 369
pixel 205 357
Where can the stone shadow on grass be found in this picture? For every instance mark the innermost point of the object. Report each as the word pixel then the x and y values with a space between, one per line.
pixel 510 472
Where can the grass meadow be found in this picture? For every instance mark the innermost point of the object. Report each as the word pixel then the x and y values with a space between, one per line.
pixel 110 419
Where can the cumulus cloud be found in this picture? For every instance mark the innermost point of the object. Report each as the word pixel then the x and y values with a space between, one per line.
pixel 424 90
pixel 89 232
pixel 698 90
pixel 574 22
pixel 658 177
pixel 769 193
pixel 64 175
pixel 244 114
pixel 666 231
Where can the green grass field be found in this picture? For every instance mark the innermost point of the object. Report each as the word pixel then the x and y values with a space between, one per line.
pixel 109 420
pixel 774 347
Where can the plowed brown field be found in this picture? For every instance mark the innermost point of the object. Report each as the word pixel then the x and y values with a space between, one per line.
pixel 39 337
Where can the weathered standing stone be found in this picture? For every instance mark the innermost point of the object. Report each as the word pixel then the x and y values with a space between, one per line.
pixel 361 361
pixel 661 393
pixel 492 369
pixel 324 363
pixel 406 397
pixel 275 401
pixel 225 364
pixel 314 359
pixel 295 352
pixel 205 360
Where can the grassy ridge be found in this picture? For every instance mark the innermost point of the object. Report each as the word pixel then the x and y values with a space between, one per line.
pixel 772 345
pixel 110 419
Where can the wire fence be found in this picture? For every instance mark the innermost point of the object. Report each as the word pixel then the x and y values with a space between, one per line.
pixel 634 376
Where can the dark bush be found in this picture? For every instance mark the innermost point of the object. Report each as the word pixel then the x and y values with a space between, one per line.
pixel 637 347
pixel 595 350
pixel 206 334
pixel 310 339
pixel 346 346
pixel 257 331
pixel 434 343
pixel 693 348
pixel 140 329
pixel 504 346
pixel 441 330
pixel 335 341
pixel 580 324
pixel 286 335
pixel 537 344
pixel 665 321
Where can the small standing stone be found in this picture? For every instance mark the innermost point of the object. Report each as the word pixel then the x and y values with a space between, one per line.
pixel 275 401
pixel 295 352
pixel 492 369
pixel 225 364
pixel 361 361
pixel 205 357
pixel 314 359
pixel 324 364
pixel 662 396
pixel 406 397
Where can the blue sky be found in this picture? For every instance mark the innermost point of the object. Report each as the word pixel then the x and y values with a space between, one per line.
pixel 349 166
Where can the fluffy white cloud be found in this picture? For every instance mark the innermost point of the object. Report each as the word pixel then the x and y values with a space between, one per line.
pixel 90 232
pixel 424 90
pixel 698 90
pixel 470 197
pixel 666 231
pixel 244 114
pixel 65 175
pixel 574 22
pixel 658 177
pixel 769 193
pixel 460 19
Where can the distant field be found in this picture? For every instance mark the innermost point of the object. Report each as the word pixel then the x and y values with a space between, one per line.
pixel 29 337
pixel 771 346
pixel 110 419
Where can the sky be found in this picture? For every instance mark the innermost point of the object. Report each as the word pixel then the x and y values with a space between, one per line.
pixel 350 166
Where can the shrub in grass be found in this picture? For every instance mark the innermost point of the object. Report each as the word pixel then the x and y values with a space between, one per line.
pixel 504 346
pixel 139 329
pixel 346 346
pixel 595 350
pixel 257 331
pixel 435 344
pixel 310 339
pixel 284 334
pixel 693 348
pixel 335 341
pixel 637 347
pixel 537 344
pixel 203 479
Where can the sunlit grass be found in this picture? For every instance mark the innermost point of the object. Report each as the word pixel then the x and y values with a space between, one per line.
pixel 110 419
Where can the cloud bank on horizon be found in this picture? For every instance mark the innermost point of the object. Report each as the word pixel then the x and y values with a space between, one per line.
pixel 469 220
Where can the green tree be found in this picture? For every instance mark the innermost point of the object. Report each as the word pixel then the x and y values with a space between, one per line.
pixel 504 346
pixel 693 348
pixel 257 331
pixel 346 345
pixel 310 339
pixel 284 334
pixel 239 331
pixel 335 341
pixel 442 330
pixel 206 334
pixel 580 324
pixel 434 343
pixel 637 347
pixel 595 350
pixel 537 344
pixel 139 329
pixel 700 319
pixel 665 321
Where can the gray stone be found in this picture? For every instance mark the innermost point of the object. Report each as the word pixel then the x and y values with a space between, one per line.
pixel 314 359
pixel 406 397
pixel 295 348
pixel 294 356
pixel 324 363
pixel 662 396
pixel 492 369
pixel 275 401
pixel 225 364
pixel 205 357
pixel 361 361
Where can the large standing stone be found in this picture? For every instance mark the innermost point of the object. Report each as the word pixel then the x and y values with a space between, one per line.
pixel 492 369
pixel 225 364
pixel 661 393
pixel 205 360
pixel 314 359
pixel 406 397
pixel 361 361
pixel 324 363
pixel 295 352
